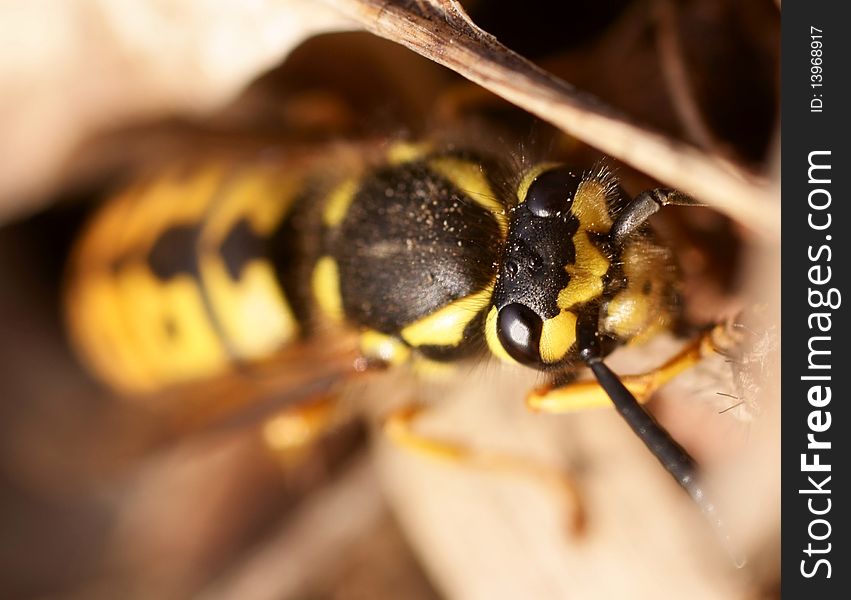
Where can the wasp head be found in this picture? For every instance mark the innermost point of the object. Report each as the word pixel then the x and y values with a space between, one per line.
pixel 526 321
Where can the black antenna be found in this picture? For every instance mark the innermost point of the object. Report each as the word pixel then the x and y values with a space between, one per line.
pixel 665 448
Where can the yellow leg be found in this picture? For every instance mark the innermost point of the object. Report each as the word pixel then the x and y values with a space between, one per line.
pixel 398 427
pixel 294 431
pixel 583 395
pixel 297 427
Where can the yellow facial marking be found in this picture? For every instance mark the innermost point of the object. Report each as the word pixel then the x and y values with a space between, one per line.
pixel 469 177
pixel 446 326
pixel 557 336
pixel 403 152
pixel 530 176
pixel 590 205
pixel 338 202
pixel 326 288
pixel 586 273
pixel 493 340
pixel 387 348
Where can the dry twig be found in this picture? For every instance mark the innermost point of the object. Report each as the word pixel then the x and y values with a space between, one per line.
pixel 442 32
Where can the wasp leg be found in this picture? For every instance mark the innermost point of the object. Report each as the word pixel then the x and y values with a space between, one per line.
pixel 642 207
pixel 582 395
pixel 399 429
pixel 295 429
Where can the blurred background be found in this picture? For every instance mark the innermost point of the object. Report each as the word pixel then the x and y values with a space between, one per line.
pixel 96 501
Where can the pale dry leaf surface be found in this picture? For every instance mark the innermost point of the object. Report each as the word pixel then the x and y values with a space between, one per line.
pixel 72 69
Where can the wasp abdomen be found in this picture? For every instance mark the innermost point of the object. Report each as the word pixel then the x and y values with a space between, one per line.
pixel 172 281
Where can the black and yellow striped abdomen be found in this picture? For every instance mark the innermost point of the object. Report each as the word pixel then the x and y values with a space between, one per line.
pixel 172 281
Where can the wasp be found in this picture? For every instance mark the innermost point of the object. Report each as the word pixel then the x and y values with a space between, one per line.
pixel 270 288
pixel 430 254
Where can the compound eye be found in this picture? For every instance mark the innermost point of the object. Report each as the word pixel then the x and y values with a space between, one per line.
pixel 519 331
pixel 552 192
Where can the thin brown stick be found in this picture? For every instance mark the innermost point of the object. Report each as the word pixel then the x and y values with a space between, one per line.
pixel 676 77
pixel 442 32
